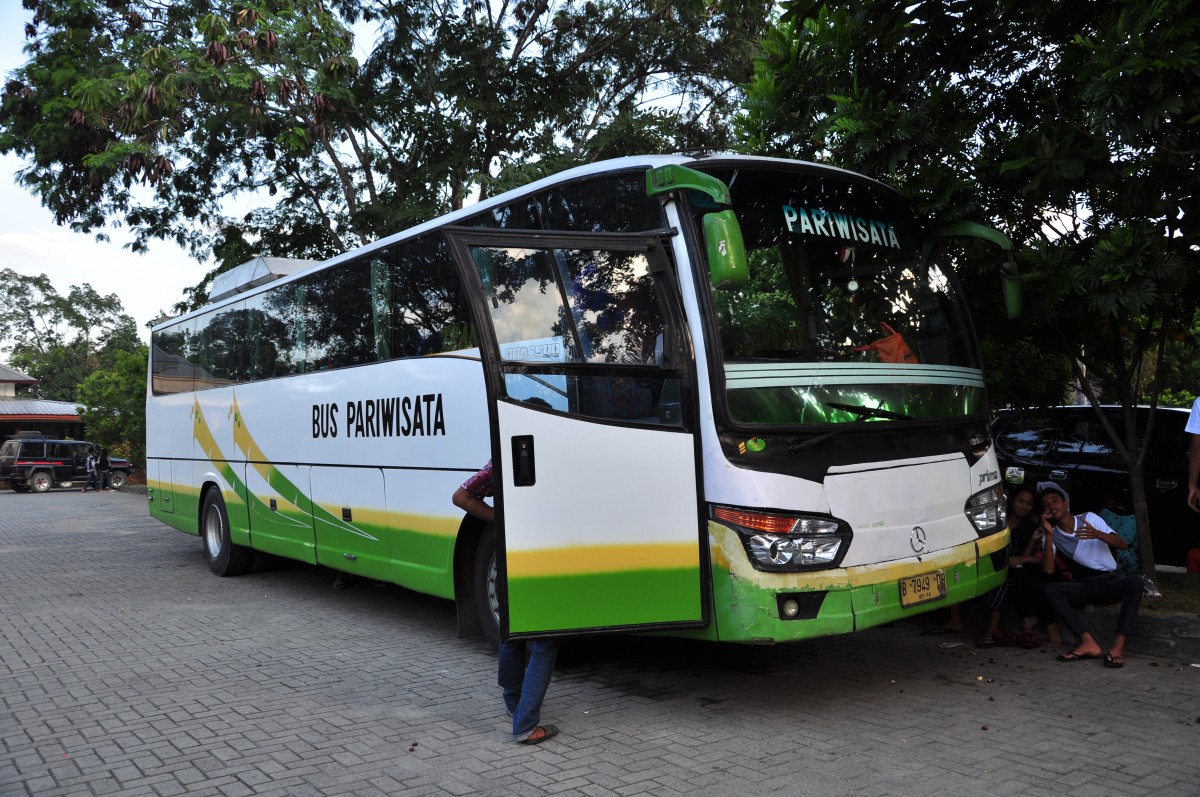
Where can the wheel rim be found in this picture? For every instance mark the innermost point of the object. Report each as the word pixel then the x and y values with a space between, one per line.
pixel 212 532
pixel 41 482
pixel 493 600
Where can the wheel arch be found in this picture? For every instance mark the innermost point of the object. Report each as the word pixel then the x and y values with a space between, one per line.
pixel 206 484
pixel 470 531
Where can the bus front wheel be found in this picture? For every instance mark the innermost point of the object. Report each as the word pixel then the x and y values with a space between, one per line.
pixel 223 557
pixel 487 602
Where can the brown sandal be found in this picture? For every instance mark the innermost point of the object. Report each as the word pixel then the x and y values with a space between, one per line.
pixel 540 734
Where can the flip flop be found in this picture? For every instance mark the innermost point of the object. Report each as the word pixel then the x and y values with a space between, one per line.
pixel 1073 656
pixel 1113 662
pixel 540 734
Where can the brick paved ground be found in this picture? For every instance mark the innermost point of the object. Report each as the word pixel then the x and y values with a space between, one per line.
pixel 127 668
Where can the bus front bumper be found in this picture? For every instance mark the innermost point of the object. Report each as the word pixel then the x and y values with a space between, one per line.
pixel 753 606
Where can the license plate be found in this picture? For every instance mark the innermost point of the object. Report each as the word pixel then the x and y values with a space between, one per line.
pixel 923 588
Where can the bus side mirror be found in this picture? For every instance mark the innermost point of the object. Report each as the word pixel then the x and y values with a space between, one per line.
pixel 1010 284
pixel 727 267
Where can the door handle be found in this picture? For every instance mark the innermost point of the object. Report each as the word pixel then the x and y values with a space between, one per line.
pixel 524 473
pixel 1058 475
pixel 1166 484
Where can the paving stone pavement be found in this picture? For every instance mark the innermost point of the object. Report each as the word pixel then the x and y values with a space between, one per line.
pixel 126 668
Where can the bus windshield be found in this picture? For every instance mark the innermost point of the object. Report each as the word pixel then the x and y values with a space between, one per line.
pixel 843 318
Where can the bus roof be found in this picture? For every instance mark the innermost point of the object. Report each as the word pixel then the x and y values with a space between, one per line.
pixel 586 170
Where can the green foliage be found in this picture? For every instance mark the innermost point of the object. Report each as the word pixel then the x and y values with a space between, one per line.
pixel 60 339
pixel 113 405
pixel 157 115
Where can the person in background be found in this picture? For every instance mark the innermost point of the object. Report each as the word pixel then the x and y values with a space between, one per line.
pixel 524 683
pixel 93 476
pixel 1193 428
pixel 1193 494
pixel 1086 543
pixel 103 467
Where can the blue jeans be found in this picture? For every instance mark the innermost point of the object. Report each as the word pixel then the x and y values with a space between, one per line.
pixel 524 684
pixel 1102 590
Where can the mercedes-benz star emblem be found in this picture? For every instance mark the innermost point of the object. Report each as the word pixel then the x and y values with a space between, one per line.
pixel 917 539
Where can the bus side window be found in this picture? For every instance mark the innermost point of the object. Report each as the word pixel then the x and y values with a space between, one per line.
pixel 430 314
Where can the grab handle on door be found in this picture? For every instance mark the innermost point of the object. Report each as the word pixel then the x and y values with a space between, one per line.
pixel 524 473
pixel 1058 475
pixel 1166 484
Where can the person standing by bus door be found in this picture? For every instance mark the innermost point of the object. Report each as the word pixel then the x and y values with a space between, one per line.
pixel 1193 492
pixel 524 683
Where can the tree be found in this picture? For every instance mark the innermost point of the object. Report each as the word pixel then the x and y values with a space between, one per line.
pixel 58 339
pixel 113 404
pixel 1073 132
pixel 158 115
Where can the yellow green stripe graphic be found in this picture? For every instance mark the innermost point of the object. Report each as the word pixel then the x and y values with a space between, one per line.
pixel 245 442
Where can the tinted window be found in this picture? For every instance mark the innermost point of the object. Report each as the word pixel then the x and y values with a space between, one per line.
pixel 1083 434
pixel 423 295
pixel 581 307
pixel 226 339
pixel 606 203
pixel 407 302
pixel 270 319
pixel 337 316
pixel 33 450
pixel 1026 435
pixel 172 373
pixel 1172 442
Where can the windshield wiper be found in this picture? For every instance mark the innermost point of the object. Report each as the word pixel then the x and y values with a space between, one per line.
pixel 863 414
pixel 868 412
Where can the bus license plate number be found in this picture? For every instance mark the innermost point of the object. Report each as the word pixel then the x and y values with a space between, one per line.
pixel 923 588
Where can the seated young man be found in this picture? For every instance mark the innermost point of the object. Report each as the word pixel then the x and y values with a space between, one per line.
pixel 1086 543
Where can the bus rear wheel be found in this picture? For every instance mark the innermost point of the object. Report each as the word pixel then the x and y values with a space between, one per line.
pixel 487 601
pixel 223 557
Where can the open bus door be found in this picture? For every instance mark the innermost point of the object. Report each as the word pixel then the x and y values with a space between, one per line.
pixel 594 449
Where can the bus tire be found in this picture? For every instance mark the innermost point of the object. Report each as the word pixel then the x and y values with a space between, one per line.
pixel 223 557
pixel 41 481
pixel 116 479
pixel 487 602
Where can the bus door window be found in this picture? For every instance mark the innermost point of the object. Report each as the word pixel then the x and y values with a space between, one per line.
pixel 590 307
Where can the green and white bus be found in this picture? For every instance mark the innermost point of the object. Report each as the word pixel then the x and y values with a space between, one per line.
pixel 728 397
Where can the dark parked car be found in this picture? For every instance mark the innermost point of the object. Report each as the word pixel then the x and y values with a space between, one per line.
pixel 33 462
pixel 1068 445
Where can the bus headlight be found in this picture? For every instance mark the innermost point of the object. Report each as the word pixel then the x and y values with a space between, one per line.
pixel 782 542
pixel 986 511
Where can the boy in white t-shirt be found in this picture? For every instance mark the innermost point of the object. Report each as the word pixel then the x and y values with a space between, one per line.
pixel 1086 543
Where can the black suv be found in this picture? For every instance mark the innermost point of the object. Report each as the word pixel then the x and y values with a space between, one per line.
pixel 1068 445
pixel 38 463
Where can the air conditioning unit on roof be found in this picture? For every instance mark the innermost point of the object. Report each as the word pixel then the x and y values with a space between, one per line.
pixel 253 273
